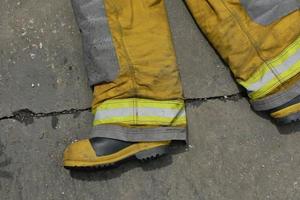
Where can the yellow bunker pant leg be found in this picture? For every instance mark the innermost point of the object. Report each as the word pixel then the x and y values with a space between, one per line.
pixel 138 102
pixel 261 43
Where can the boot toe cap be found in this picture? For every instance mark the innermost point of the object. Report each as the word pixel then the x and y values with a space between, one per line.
pixel 80 151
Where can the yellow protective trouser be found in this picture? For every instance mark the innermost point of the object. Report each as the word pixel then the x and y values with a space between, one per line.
pixel 264 57
pixel 132 66
pixel 144 102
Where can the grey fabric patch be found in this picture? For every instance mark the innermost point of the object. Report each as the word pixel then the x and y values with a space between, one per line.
pixel 100 58
pixel 139 134
pixel 277 99
pixel 267 11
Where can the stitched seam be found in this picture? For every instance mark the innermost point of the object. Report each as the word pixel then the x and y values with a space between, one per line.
pixel 250 40
pixel 127 57
pixel 281 95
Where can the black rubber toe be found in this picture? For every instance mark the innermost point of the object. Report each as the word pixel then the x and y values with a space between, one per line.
pixel 107 146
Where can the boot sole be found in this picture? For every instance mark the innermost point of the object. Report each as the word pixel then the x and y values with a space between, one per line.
pixel 289 119
pixel 283 114
pixel 140 154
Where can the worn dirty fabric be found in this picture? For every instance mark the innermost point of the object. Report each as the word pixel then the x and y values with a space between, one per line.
pixel 146 56
pixel 143 91
pixel 137 87
pixel 265 59
pixel 268 11
pixel 99 52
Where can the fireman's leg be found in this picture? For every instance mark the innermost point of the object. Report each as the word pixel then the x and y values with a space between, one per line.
pixel 261 44
pixel 141 110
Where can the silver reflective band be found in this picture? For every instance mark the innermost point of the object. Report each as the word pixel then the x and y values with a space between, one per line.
pixel 275 71
pixel 139 112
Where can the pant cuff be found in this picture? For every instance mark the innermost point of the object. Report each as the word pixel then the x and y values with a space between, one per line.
pixel 277 99
pixel 136 134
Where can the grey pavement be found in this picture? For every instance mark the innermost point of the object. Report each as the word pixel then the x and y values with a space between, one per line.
pixel 233 153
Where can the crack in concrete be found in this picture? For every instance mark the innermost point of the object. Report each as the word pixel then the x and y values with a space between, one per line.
pixel 196 102
pixel 27 116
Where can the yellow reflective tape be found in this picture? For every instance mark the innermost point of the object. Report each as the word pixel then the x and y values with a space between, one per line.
pixel 142 103
pixel 115 105
pixel 267 88
pixel 269 65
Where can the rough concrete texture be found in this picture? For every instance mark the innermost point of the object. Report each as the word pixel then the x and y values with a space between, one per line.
pixel 234 153
pixel 41 66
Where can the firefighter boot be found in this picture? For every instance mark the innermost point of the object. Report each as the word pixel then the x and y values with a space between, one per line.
pixel 103 152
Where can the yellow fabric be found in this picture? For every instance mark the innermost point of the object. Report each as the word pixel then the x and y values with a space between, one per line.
pixel 246 46
pixel 82 154
pixel 271 64
pixel 269 67
pixel 286 111
pixel 145 52
pixel 141 112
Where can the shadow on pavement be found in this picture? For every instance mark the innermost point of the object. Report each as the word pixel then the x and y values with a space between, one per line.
pixel 283 129
pixel 292 128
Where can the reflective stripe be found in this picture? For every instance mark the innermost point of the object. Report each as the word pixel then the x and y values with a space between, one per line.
pixel 146 103
pixel 270 65
pixel 279 70
pixel 136 111
pixel 274 72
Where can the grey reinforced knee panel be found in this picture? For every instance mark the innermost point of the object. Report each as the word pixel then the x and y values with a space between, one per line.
pixel 267 11
pixel 99 53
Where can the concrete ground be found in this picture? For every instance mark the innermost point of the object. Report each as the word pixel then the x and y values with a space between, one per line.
pixel 234 153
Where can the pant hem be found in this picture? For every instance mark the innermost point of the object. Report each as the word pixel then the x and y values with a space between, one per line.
pixel 137 134
pixel 277 99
